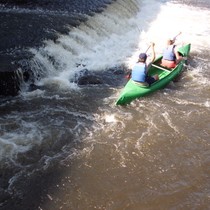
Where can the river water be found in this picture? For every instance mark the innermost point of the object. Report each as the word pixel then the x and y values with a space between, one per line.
pixel 69 147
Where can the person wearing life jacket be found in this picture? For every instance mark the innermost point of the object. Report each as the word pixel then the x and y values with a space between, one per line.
pixel 171 56
pixel 139 71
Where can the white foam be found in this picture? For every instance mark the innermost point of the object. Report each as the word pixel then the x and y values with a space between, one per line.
pixel 173 18
pixel 102 42
pixel 110 118
pixel 118 34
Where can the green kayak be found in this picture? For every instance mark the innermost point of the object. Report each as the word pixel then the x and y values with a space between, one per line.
pixel 133 90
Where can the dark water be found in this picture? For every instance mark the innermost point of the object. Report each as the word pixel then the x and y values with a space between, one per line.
pixel 65 146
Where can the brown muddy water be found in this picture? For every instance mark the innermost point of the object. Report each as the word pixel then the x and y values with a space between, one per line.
pixel 71 148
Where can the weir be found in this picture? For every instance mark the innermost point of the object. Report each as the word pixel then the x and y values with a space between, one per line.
pixel 98 44
pixel 25 25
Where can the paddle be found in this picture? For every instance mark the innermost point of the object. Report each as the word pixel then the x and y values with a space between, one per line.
pixel 176 36
pixel 128 76
pixel 148 48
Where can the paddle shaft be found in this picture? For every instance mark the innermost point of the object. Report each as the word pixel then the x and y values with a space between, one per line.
pixel 148 48
pixel 176 36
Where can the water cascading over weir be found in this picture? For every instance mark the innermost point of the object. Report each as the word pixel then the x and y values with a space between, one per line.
pixel 27 24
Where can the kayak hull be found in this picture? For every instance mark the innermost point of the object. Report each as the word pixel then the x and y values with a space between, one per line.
pixel 133 90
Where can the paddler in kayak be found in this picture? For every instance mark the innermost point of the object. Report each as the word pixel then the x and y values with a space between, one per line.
pixel 139 73
pixel 171 56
